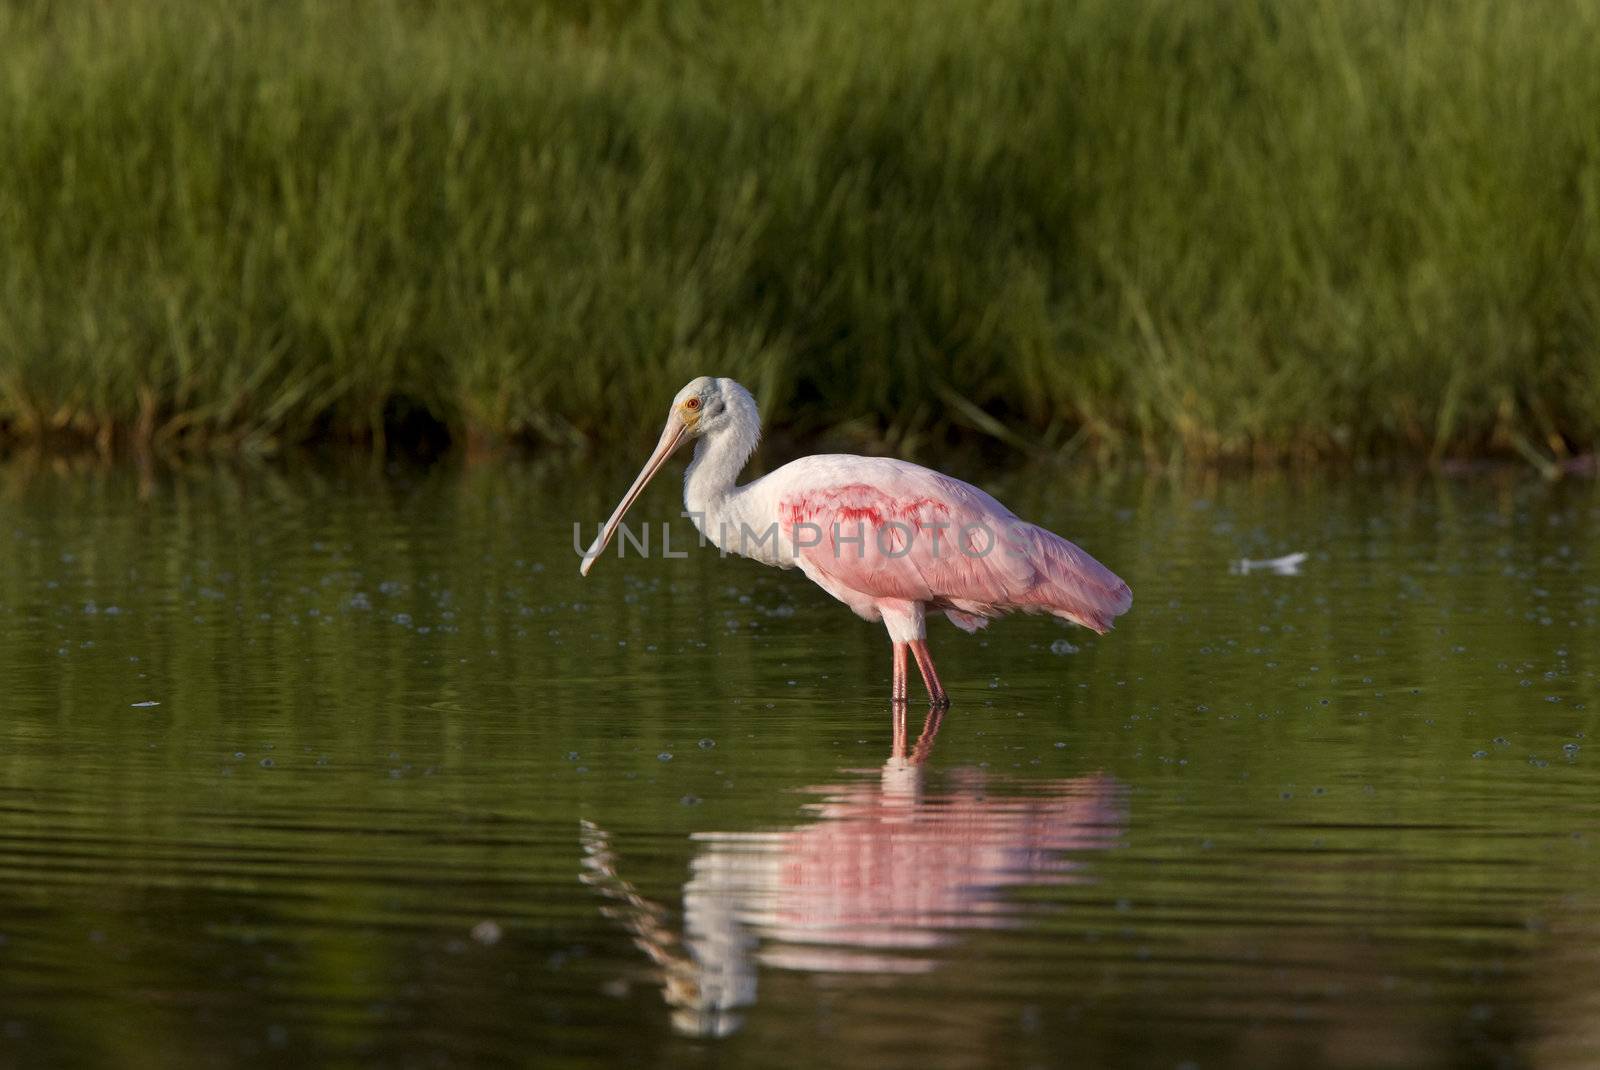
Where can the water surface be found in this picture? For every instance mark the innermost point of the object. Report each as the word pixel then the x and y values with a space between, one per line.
pixel 349 764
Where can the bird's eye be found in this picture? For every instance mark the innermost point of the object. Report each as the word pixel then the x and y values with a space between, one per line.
pixel 692 403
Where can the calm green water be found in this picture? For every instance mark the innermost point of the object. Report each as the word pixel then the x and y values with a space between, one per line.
pixel 352 766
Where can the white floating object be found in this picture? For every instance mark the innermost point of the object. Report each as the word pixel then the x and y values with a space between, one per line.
pixel 1287 565
pixel 146 702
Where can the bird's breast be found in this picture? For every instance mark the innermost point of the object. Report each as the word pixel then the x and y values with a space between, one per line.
pixel 737 528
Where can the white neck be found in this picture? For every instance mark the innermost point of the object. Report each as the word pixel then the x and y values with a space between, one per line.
pixel 708 485
pixel 714 502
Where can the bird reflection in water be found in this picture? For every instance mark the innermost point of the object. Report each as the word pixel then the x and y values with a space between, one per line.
pixel 885 874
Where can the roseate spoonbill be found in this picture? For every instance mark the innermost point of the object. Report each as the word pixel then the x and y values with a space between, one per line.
pixel 889 539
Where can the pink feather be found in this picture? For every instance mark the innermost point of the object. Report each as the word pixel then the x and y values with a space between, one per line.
pixel 884 529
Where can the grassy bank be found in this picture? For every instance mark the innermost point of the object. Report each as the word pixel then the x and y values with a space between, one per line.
pixel 1149 226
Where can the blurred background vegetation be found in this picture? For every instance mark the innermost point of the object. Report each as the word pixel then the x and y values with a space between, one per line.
pixel 1137 227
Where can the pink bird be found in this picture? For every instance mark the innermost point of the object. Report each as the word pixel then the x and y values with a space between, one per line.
pixel 890 539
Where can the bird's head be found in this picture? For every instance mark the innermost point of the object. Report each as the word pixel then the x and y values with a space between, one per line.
pixel 708 404
pixel 704 407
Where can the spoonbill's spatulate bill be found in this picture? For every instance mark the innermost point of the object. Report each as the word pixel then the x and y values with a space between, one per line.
pixel 890 539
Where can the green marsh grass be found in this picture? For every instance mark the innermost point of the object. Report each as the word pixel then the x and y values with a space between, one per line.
pixel 1303 227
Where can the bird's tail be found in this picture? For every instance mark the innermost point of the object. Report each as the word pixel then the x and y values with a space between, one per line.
pixel 1077 588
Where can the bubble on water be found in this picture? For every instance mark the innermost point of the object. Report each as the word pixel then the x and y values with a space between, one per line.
pixel 707 744
pixel 487 933
pixel 266 763
pixel 1480 754
pixel 145 704
pixel 689 800
pixel 1059 745
pixel 1062 646
pixel 1501 741
pixel 1569 749
pixel 238 754
pixel 664 756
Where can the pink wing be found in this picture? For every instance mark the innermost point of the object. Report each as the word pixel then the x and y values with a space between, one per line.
pixel 888 529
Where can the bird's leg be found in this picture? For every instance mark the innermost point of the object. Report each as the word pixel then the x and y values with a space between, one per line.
pixel 899 697
pixel 930 676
